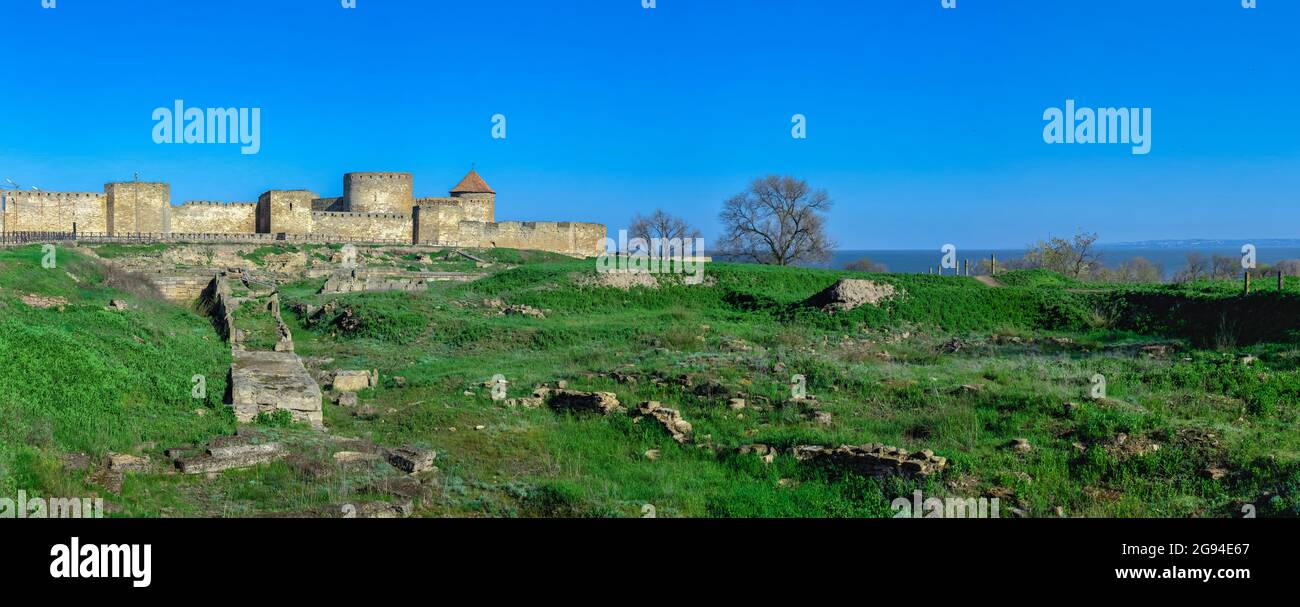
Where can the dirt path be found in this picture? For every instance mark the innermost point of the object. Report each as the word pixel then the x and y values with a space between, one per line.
pixel 989 281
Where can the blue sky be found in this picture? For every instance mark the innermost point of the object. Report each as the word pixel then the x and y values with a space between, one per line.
pixel 924 124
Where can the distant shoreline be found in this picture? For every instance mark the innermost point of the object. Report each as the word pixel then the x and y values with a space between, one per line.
pixel 1169 258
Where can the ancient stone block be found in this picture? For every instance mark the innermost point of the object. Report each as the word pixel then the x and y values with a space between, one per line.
pixel 350 381
pixel 411 459
pixel 270 381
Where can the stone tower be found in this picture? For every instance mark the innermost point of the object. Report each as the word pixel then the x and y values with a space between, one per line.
pixel 476 198
pixel 378 193
pixel 138 207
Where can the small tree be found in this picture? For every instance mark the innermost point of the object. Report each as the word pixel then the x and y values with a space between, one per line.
pixel 664 227
pixel 778 220
pixel 866 265
pixel 1138 269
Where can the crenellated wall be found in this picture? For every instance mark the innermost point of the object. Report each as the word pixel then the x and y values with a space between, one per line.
pixel 569 237
pixel 200 217
pixel 362 226
pixel 28 211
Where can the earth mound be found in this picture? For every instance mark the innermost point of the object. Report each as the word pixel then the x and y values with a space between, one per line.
pixel 849 293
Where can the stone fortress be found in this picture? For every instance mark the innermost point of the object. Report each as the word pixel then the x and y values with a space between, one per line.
pixel 374 208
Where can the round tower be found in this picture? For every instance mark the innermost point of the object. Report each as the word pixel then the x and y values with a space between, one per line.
pixel 379 192
pixel 477 198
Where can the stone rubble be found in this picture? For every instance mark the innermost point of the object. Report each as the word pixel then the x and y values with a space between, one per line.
pixel 671 420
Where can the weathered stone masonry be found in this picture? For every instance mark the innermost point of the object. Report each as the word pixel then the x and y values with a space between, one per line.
pixel 375 207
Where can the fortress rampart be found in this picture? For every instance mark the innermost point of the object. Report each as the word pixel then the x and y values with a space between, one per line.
pixel 27 211
pixel 375 207
pixel 215 217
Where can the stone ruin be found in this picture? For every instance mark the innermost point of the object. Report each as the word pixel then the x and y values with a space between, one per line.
pixel 264 382
pixel 244 449
pixel 873 460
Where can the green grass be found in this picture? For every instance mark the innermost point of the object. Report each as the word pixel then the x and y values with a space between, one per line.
pixel 950 365
pixel 445 342
pixel 260 329
pixel 115 250
pixel 86 379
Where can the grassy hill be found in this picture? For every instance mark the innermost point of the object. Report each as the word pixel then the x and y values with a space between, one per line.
pixel 77 377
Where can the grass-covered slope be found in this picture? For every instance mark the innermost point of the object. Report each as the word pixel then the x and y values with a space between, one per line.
pixel 76 377
pixel 1021 368
pixel 1191 425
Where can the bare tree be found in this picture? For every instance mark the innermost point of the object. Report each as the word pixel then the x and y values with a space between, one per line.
pixel 1138 269
pixel 1289 267
pixel 665 228
pixel 1196 268
pixel 778 220
pixel 1224 267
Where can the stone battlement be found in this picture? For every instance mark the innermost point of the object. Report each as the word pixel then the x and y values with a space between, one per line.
pixel 361 215
pixel 214 203
pixel 13 194
pixel 378 176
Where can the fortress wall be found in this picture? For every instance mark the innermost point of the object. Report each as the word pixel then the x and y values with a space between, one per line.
pixel 336 204
pixel 478 207
pixel 215 218
pixel 362 227
pixel 138 206
pixel 438 219
pixel 557 236
pixel 285 211
pixel 379 192
pixel 30 211
pixel 33 211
